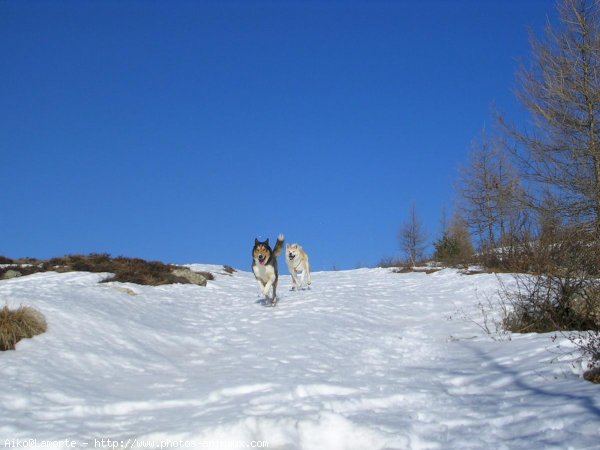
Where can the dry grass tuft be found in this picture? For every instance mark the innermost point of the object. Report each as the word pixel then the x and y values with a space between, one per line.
pixel 24 322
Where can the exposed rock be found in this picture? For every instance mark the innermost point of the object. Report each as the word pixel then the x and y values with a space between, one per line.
pixel 11 274
pixel 190 275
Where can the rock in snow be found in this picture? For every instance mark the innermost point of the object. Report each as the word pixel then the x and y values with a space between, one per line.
pixel 191 276
pixel 366 359
pixel 11 274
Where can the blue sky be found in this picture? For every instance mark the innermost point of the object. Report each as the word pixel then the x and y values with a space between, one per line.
pixel 182 130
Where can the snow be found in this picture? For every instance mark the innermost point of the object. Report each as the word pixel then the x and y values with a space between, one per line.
pixel 365 359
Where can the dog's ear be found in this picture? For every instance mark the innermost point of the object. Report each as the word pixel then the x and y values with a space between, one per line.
pixel 267 241
pixel 255 241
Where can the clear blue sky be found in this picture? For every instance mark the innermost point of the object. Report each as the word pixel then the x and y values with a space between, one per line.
pixel 182 130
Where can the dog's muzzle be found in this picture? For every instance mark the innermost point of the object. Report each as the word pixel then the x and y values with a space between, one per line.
pixel 292 256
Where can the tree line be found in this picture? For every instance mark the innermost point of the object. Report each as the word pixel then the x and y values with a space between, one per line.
pixel 523 184
pixel 528 199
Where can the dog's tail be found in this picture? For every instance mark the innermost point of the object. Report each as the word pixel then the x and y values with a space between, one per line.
pixel 278 245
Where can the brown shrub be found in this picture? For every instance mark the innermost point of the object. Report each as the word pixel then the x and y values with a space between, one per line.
pixel 23 270
pixel 563 291
pixel 228 269
pixel 139 271
pixel 126 270
pixel 390 262
pixel 592 375
pixel 24 322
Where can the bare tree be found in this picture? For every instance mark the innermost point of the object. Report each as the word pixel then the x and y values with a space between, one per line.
pixel 561 91
pixel 492 196
pixel 412 237
pixel 560 154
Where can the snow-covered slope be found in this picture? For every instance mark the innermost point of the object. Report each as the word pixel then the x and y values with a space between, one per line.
pixel 366 359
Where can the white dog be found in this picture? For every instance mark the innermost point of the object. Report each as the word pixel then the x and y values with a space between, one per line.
pixel 297 261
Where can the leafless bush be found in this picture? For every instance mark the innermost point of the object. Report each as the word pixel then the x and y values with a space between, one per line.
pixel 390 262
pixel 563 293
pixel 486 318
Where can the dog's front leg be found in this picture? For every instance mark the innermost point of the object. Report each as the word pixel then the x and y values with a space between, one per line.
pixel 295 280
pixel 306 274
pixel 267 286
pixel 274 299
pixel 261 286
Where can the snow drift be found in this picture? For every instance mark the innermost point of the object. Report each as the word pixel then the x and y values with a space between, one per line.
pixel 366 359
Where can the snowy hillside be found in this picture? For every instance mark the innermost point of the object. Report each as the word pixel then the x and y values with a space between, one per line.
pixel 366 359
